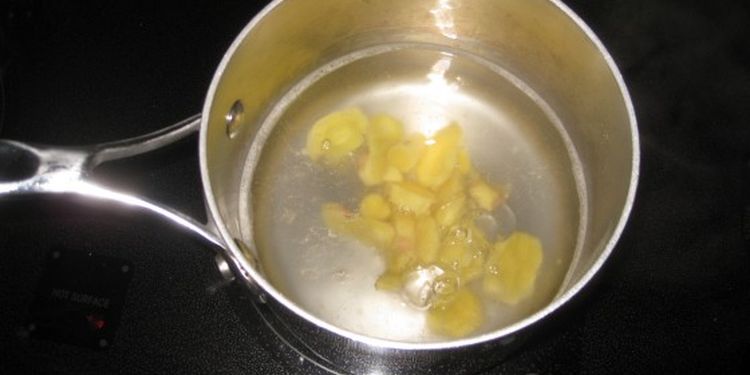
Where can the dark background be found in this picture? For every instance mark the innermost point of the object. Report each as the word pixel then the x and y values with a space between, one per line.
pixel 674 297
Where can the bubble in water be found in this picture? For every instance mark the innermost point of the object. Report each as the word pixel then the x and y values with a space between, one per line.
pixel 488 225
pixel 499 223
pixel 288 216
pixel 326 145
pixel 445 288
pixel 445 284
pixel 507 218
pixel 309 274
pixel 341 275
pixel 419 287
pixel 460 233
pixel 477 254
pixel 493 270
pixel 441 287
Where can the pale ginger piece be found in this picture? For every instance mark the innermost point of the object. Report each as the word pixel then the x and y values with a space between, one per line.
pixel 457 318
pixel 410 197
pixel 464 251
pixel 485 196
pixel 389 281
pixel 467 262
pixel 405 226
pixel 399 261
pixel 374 206
pixel 423 198
pixel 452 188
pixel 370 231
pixel 382 133
pixel 511 268
pixel 440 158
pixel 392 174
pixel 405 155
pixel 336 135
pixel 428 239
pixel 451 212
pixel 464 162
pixel 385 129
pixel 445 287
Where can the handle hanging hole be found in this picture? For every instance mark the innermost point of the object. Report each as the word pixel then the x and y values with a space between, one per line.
pixel 233 119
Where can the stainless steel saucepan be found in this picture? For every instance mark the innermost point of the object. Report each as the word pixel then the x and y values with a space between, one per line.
pixel 543 107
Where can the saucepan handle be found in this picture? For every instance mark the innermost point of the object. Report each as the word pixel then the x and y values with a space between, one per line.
pixel 33 169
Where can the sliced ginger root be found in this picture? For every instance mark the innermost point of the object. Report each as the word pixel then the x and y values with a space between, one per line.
pixel 512 267
pixel 405 155
pixel 374 232
pixel 422 197
pixel 336 135
pixel 440 158
pixel 485 196
pixel 411 197
pixel 384 131
pixel 458 317
pixel 374 206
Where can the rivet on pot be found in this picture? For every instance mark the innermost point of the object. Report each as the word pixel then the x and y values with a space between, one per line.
pixel 224 269
pixel 233 119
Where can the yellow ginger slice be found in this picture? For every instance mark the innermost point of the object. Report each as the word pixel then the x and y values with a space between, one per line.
pixel 383 132
pixel 399 261
pixel 392 174
pixel 445 287
pixel 389 281
pixel 336 135
pixel 467 262
pixel 464 251
pixel 486 197
pixel 427 239
pixel 405 155
pixel 404 225
pixel 410 197
pixel 374 206
pixel 385 129
pixel 511 268
pixel 451 212
pixel 464 162
pixel 370 231
pixel 457 318
pixel 439 159
pixel 452 188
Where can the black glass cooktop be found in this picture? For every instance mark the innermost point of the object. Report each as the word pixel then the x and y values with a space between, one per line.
pixel 142 298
